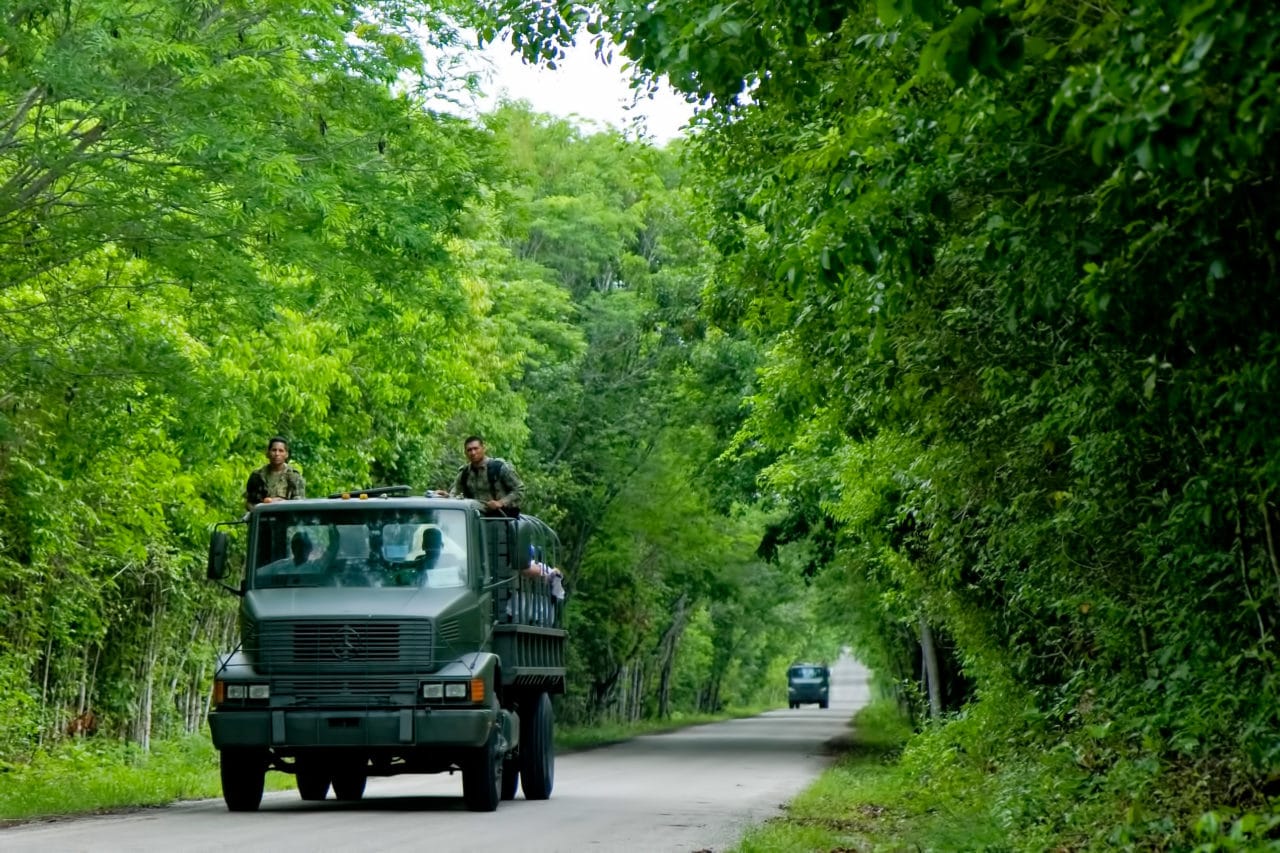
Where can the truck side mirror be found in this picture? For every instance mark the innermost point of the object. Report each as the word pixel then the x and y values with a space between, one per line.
pixel 217 569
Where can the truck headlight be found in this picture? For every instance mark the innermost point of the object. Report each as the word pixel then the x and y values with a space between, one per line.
pixel 235 691
pixel 455 690
pixel 259 691
pixel 433 691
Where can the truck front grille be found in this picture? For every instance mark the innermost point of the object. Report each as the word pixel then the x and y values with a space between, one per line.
pixel 317 646
pixel 366 692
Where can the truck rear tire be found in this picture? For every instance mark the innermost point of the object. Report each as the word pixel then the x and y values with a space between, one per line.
pixel 313 786
pixel 510 778
pixel 349 786
pixel 482 784
pixel 538 749
pixel 243 772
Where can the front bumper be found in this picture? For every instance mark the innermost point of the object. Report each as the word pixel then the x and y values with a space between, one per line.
pixel 807 696
pixel 404 727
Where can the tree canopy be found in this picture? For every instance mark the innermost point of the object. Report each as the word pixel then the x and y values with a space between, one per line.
pixel 223 221
pixel 950 331
pixel 1012 266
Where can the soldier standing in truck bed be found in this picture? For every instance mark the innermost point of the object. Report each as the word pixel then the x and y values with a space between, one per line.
pixel 277 480
pixel 492 482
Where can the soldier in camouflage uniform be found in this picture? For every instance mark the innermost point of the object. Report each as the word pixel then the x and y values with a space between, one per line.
pixel 492 482
pixel 276 480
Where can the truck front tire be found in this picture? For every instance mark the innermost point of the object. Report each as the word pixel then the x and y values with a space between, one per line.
pixel 243 773
pixel 482 785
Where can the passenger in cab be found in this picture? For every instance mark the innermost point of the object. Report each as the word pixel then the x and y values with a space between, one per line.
pixel 440 568
pixel 289 570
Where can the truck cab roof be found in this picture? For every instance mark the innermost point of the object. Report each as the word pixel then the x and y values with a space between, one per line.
pixel 375 502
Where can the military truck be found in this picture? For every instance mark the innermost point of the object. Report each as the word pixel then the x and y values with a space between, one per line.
pixel 385 633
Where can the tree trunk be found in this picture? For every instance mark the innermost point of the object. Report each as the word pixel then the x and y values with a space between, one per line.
pixel 637 692
pixel 667 655
pixel 44 688
pixel 151 656
pixel 929 661
pixel 601 689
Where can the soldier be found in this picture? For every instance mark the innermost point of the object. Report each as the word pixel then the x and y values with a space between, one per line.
pixel 276 480
pixel 492 482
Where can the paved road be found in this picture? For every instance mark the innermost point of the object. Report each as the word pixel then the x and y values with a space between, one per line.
pixel 693 790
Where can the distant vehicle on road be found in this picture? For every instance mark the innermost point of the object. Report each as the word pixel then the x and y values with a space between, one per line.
pixel 808 684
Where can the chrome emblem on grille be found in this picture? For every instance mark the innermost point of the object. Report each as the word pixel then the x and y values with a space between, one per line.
pixel 344 644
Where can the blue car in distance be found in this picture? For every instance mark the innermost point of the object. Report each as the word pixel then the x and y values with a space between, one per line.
pixel 808 684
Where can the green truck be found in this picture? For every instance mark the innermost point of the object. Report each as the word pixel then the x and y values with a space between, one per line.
pixel 385 633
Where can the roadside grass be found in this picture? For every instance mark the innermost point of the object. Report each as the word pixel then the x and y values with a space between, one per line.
pixel 574 738
pixel 97 775
pixel 871 800
pixel 992 780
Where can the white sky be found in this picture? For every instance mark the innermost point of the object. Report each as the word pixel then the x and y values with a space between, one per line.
pixel 583 89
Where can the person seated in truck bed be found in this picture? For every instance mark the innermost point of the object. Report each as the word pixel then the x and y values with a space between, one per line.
pixel 539 593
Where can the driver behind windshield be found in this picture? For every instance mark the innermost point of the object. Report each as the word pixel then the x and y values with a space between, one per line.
pixel 303 559
pixel 441 568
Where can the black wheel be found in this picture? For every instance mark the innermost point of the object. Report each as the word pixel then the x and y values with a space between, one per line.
pixel 537 749
pixel 313 786
pixel 482 777
pixel 349 786
pixel 792 705
pixel 823 704
pixel 243 772
pixel 510 778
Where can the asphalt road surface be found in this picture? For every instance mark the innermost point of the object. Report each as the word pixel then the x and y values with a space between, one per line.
pixel 697 789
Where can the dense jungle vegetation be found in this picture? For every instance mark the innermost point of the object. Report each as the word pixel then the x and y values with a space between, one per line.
pixel 950 331
pixel 222 221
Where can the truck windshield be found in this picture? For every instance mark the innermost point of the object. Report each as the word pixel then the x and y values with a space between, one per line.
pixel 351 547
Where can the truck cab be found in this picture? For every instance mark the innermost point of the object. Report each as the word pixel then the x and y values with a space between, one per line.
pixel 385 633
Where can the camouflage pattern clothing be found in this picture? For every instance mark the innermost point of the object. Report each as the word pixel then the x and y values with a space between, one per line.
pixel 495 480
pixel 265 483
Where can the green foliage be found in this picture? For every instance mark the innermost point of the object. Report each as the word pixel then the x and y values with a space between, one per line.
pixel 217 228
pixel 576 737
pixel 1012 267
pixel 245 222
pixel 868 800
pixel 94 776
pixel 627 412
pixel 972 783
